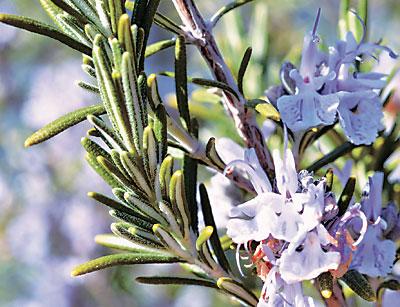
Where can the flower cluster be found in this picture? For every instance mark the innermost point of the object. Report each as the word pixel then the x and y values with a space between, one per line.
pixel 294 230
pixel 328 86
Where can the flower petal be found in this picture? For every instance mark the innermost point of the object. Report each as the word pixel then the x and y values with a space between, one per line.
pixel 308 263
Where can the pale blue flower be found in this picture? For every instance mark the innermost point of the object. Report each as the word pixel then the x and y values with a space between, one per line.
pixel 276 292
pixel 375 255
pixel 307 108
pixel 360 115
pixel 306 259
pixel 289 213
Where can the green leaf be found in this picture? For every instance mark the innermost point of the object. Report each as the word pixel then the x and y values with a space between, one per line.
pixel 109 134
pixel 160 131
pixel 93 148
pixel 178 200
pixel 181 81
pixel 212 154
pixel 164 280
pixel 243 67
pixel 99 169
pixel 167 24
pixel 121 259
pixel 268 111
pixel 166 170
pixel 209 221
pixel 44 29
pixel 204 82
pixel 226 9
pixel 203 237
pixel 118 206
pixel 116 242
pixel 346 196
pixel 70 10
pixel 237 290
pixel 146 24
pixel 360 285
pixel 159 46
pixel 134 220
pixel 338 152
pixel 63 123
pixel 189 169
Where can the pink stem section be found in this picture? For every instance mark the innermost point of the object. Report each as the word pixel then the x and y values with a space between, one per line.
pixel 199 33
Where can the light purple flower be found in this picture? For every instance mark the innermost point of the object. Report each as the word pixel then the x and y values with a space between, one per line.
pixel 375 255
pixel 276 292
pixel 360 115
pixel 328 87
pixel 307 108
pixel 289 213
pixel 305 259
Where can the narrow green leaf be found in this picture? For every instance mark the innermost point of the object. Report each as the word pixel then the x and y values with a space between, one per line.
pixel 93 148
pixel 133 99
pixel 139 11
pixel 135 221
pixel 204 82
pixel 178 199
pixel 209 221
pixel 118 206
pixel 238 290
pixel 146 24
pixel 159 46
pixel 124 230
pixel 166 170
pixel 116 10
pixel 99 169
pixel 117 242
pixel 160 131
pixel 167 24
pixel 120 259
pixel 108 134
pixel 212 154
pixel 89 87
pixel 64 122
pixel 346 196
pixel 360 285
pixel 181 81
pixel 338 152
pixel 44 29
pixel 164 280
pixel 114 171
pixel 243 67
pixel 118 108
pixel 268 111
pixel 203 237
pixel 226 9
pixel 70 10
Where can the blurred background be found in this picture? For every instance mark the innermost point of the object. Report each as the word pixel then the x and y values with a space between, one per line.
pixel 47 224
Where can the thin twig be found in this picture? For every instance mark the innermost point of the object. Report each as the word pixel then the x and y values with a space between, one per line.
pixel 198 31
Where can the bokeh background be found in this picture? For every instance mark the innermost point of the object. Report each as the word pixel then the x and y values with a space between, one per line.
pixel 47 224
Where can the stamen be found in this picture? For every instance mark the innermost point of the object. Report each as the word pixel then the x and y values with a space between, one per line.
pixel 238 259
pixel 314 31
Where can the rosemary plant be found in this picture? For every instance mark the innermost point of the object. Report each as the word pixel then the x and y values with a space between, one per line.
pixel 293 229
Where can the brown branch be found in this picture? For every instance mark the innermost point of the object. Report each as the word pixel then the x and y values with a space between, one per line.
pixel 199 33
